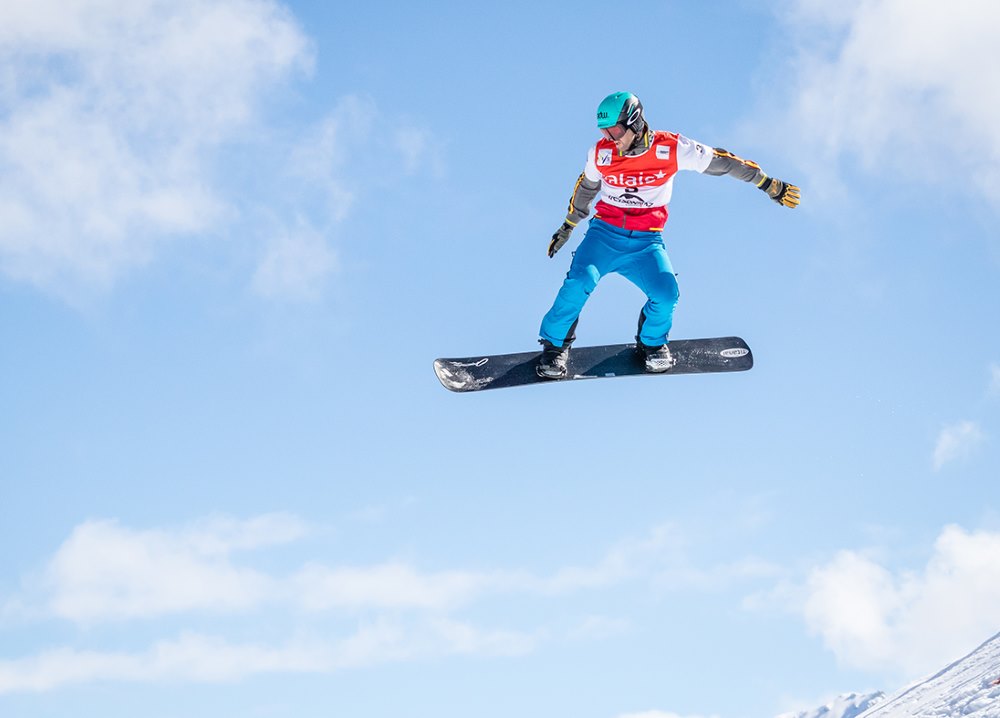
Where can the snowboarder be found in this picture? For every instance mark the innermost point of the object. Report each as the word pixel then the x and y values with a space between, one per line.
pixel 632 168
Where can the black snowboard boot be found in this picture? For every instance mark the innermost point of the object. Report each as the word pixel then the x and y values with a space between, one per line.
pixel 554 360
pixel 658 359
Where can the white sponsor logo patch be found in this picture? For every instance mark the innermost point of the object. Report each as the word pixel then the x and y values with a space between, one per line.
pixel 735 353
pixel 604 157
pixel 663 152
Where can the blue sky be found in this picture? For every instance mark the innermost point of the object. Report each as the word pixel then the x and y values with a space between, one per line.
pixel 234 236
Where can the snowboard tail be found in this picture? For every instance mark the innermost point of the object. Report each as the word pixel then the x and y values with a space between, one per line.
pixel 499 371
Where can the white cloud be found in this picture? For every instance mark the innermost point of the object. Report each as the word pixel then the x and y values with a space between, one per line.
pixel 322 158
pixel 398 585
pixel 663 557
pixel 295 266
pixel 104 572
pixel 355 148
pixel 956 442
pixel 393 585
pixel 659 558
pixel 624 561
pixel 113 125
pixel 353 157
pixel 109 117
pixel 194 657
pixel 897 86
pixel 849 601
pixel 191 657
pixel 908 621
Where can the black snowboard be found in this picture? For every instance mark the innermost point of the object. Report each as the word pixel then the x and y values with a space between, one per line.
pixel 693 356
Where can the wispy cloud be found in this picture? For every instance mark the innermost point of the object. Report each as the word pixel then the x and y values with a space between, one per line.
pixel 872 617
pixel 956 441
pixel 105 573
pixel 190 657
pixel 395 585
pixel 994 379
pixel 295 265
pixel 115 124
pixel 194 657
pixel 347 162
pixel 111 118
pixel 873 81
pixel 415 148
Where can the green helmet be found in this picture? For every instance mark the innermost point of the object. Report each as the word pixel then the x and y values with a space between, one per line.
pixel 621 108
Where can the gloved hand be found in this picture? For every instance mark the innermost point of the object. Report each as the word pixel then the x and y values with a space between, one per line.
pixel 560 238
pixel 781 192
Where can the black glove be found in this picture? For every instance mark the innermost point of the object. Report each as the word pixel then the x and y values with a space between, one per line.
pixel 783 193
pixel 560 238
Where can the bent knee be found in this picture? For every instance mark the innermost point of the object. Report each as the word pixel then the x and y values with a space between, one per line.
pixel 584 279
pixel 665 290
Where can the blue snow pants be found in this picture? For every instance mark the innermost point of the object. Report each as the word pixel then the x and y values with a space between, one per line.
pixel 638 256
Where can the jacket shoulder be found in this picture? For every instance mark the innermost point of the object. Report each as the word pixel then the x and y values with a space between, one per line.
pixel 664 136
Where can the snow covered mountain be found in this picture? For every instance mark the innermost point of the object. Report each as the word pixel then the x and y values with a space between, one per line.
pixel 850 705
pixel 968 688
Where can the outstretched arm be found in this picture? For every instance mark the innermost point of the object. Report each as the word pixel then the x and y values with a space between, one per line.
pixel 726 163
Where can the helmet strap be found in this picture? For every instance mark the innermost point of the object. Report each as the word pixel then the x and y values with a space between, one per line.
pixel 641 137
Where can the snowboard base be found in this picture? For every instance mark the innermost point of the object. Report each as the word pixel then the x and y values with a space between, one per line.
pixel 499 371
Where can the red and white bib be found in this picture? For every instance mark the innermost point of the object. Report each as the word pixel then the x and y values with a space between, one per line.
pixel 636 189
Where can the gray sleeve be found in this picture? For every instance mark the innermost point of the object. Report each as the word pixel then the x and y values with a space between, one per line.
pixel 579 202
pixel 726 163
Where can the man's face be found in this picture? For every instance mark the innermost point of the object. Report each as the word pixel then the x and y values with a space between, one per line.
pixel 625 141
pixel 620 135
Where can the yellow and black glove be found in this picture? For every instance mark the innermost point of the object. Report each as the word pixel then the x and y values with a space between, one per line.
pixel 560 238
pixel 783 193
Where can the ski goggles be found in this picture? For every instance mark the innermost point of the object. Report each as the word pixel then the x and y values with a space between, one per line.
pixel 615 132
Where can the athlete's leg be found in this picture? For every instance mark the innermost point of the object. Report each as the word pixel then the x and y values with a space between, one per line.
pixel 651 271
pixel 588 266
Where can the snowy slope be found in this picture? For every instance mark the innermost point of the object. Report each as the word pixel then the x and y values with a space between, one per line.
pixel 849 705
pixel 968 688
